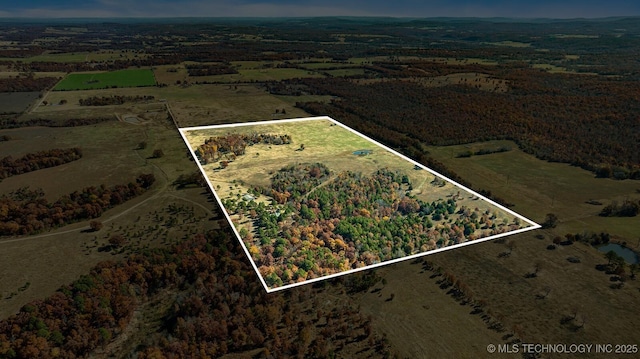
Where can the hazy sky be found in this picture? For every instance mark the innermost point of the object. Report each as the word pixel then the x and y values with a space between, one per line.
pixel 253 8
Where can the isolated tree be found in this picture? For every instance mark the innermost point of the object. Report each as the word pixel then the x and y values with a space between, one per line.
pixel 116 240
pixel 95 225
pixel 511 245
pixel 551 220
pixel 157 153
pixel 611 256
pixel 142 145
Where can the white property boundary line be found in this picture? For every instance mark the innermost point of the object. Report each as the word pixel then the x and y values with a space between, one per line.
pixel 183 131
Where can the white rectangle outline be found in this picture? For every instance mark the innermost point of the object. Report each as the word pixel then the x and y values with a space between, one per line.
pixel 183 131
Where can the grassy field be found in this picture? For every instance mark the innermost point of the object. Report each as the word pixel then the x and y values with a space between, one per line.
pixel 345 72
pixel 510 43
pixel 193 105
pixel 17 102
pixel 170 74
pixel 443 60
pixel 199 105
pixel 122 78
pixel 573 290
pixel 539 187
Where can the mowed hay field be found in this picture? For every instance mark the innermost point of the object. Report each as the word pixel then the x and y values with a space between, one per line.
pixel 96 80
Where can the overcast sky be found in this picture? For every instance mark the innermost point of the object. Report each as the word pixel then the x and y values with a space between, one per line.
pixel 292 8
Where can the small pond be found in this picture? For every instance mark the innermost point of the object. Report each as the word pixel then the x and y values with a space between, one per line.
pixel 626 253
pixel 362 152
pixel 132 119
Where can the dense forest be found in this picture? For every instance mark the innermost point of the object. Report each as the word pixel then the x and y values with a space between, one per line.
pixel 25 211
pixel 223 309
pixel 38 160
pixel 327 223
pixel 71 122
pixel 555 117
pixel 26 83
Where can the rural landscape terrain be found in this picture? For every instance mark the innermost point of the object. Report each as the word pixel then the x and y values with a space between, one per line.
pixel 112 244
pixel 310 199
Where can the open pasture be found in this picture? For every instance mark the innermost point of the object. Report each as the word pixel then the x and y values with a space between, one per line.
pixel 97 80
pixel 538 187
pixel 192 105
pixel 17 102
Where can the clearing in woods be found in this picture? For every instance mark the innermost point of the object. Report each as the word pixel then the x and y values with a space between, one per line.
pixel 235 178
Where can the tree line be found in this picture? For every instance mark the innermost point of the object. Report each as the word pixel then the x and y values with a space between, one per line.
pixel 45 122
pixel 25 211
pixel 26 83
pixel 113 100
pixel 38 160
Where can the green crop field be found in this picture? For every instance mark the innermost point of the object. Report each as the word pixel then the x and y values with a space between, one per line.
pixel 100 80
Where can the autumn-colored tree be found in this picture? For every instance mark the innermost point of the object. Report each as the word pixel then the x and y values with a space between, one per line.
pixel 117 240
pixel 95 225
